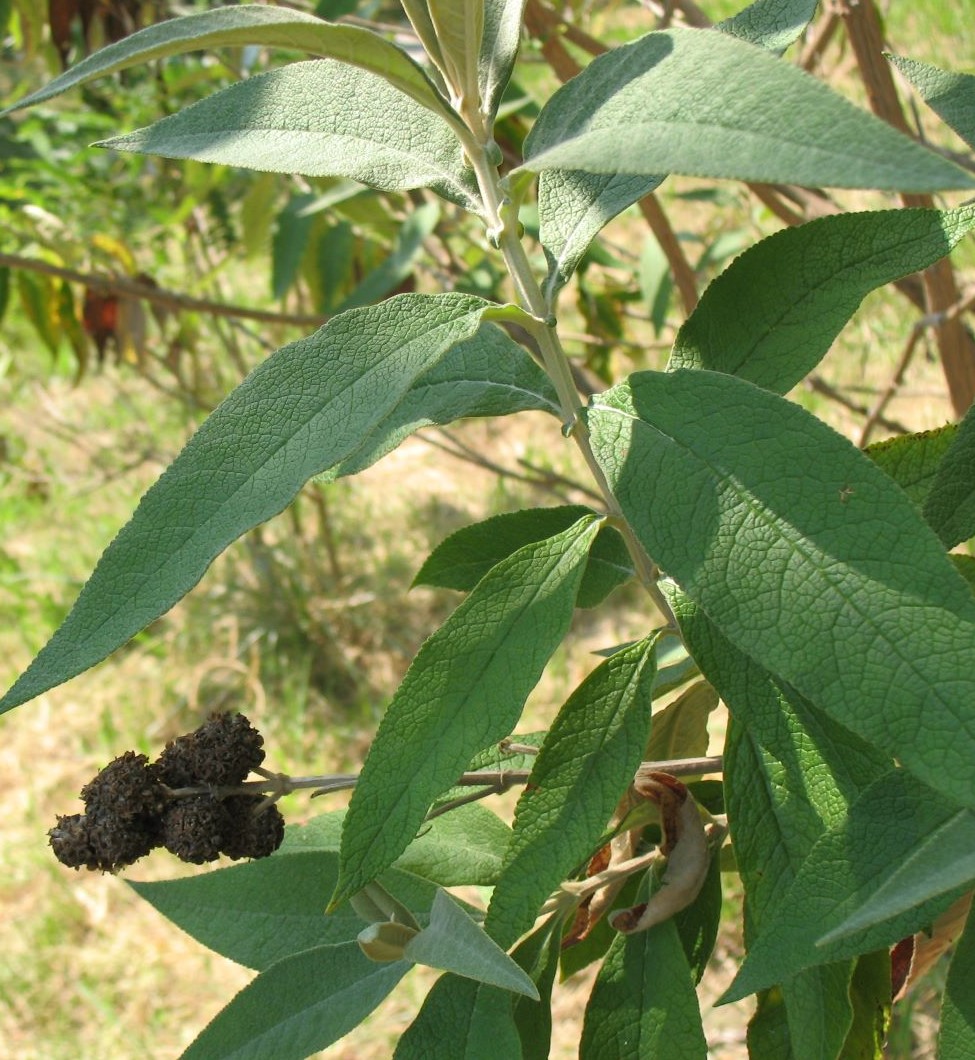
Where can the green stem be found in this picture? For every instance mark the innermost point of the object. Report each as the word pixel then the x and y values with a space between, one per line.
pixel 504 231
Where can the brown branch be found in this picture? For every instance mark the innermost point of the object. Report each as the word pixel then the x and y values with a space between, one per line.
pixel 883 399
pixel 818 385
pixel 158 295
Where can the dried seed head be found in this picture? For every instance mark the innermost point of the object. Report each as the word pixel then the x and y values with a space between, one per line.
pixel 101 841
pixel 195 828
pixel 253 836
pixel 127 787
pixel 220 752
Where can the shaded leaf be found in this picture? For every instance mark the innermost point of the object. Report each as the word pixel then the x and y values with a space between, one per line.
pixel 287 421
pixel 462 1020
pixel 539 956
pixel 583 769
pixel 464 690
pixel 464 847
pixel 957 1038
pixel 461 560
pixel 253 24
pixel 704 104
pixel 802 285
pixel 298 1005
pixel 950 504
pixel 644 1002
pixel 453 942
pixel 849 597
pixel 386 140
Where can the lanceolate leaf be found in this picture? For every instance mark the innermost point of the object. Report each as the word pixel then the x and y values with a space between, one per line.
pixel 574 205
pixel 254 24
pixel 884 826
pixel 289 420
pixel 804 555
pixel 584 767
pixel 644 1002
pixel 460 561
pixel 950 96
pixel 680 730
pixel 912 460
pixel 263 911
pixel 487 375
pixel 459 29
pixel 299 1005
pixel 453 942
pixel 465 690
pixel 462 1020
pixel 704 104
pixel 538 954
pixel 801 286
pixel 950 504
pixel 387 140
pixel 957 1040
pixel 499 49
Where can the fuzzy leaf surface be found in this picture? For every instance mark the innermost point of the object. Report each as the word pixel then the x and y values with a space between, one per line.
pixel 253 24
pixel 704 104
pixel 644 1002
pixel 802 285
pixel 464 691
pixel 487 375
pixel 773 24
pixel 957 1038
pixel 387 140
pixel 582 771
pixel 804 555
pixel 453 942
pixel 884 826
pixel 298 1005
pixel 461 560
pixel 289 420
pixel 951 96
pixel 499 49
pixel 262 911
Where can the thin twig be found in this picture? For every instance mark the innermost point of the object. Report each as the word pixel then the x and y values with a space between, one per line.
pixel 818 385
pixel 891 388
pixel 158 295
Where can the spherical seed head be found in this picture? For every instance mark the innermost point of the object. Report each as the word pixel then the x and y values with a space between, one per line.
pixel 220 752
pixel 253 835
pixel 127 787
pixel 101 841
pixel 195 828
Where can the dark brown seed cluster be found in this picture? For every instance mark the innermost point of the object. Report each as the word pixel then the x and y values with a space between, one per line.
pixel 133 805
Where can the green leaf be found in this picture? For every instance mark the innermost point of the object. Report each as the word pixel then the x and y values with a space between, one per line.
pixel 462 848
pixel 802 285
pixel 269 27
pixel 287 421
pixel 950 504
pixel 942 861
pixel 804 555
pixel 582 771
pixel 298 1005
pixel 291 232
pixel 464 690
pixel 950 96
pixel 453 942
pixel 912 460
pixel 772 24
pixel 680 730
pixel 573 206
pixel 260 912
pixel 644 1003
pixel 487 375
pixel 870 997
pixel 386 140
pixel 462 1020
pixel 499 49
pixel 399 265
pixel 697 924
pixel 883 827
pixel 703 104
pixel 957 1038
pixel 461 560
pixel 539 955
pixel 459 29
